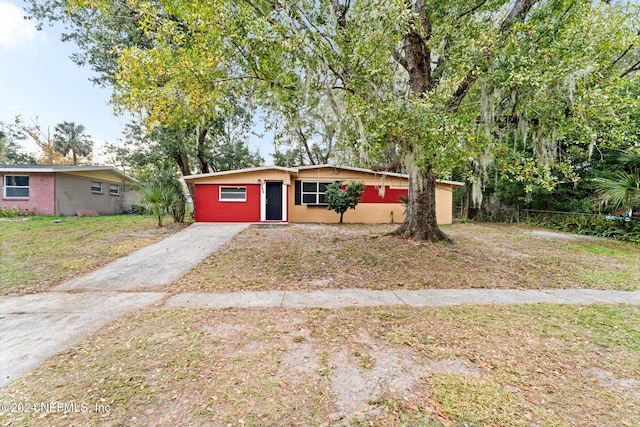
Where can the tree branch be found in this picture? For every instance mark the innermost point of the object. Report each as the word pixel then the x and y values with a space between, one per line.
pixel 517 13
pixel 473 9
pixel 634 67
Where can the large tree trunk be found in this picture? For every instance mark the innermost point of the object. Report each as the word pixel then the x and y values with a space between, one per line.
pixel 200 150
pixel 420 221
pixel 416 58
pixel 467 198
pixel 182 160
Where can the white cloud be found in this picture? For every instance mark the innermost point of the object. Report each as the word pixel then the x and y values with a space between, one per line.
pixel 16 32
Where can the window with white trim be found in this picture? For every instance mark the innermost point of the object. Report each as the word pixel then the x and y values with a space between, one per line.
pixel 114 189
pixel 233 194
pixel 313 193
pixel 96 187
pixel 16 186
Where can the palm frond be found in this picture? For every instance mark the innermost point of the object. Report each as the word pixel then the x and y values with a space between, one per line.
pixel 623 190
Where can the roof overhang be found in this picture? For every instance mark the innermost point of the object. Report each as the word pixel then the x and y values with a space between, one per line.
pixel 296 170
pixel 237 171
pixel 63 169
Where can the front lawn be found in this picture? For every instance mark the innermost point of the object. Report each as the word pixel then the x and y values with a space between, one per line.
pixel 470 365
pixel 41 252
pixel 543 364
pixel 313 256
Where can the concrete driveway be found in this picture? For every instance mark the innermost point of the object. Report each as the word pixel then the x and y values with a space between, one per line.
pixel 159 264
pixel 35 327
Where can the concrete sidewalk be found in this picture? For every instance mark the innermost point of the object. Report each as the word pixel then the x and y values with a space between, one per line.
pixel 337 298
pixel 35 327
pixel 159 264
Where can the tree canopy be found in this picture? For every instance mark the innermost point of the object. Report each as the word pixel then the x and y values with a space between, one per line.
pixel 70 137
pixel 341 199
pixel 516 83
pixel 10 150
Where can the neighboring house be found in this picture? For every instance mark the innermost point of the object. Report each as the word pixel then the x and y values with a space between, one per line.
pixel 279 194
pixel 65 190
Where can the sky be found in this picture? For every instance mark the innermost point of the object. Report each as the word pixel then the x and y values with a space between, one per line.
pixel 38 81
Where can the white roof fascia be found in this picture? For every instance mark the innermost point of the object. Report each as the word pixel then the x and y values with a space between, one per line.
pixel 54 169
pixel 255 169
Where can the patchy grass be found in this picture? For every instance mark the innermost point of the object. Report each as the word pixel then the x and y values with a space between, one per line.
pixel 44 251
pixel 542 364
pixel 519 365
pixel 312 256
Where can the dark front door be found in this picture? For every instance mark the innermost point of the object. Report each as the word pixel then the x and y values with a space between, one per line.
pixel 274 201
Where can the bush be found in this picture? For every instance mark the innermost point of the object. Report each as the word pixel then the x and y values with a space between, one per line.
pixel 340 200
pixel 14 212
pixel 626 231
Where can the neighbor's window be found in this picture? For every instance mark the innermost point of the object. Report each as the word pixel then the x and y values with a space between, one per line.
pixel 114 189
pixel 233 194
pixel 16 186
pixel 313 193
pixel 96 187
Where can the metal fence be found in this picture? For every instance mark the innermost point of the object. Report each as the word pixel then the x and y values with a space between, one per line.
pixel 525 213
pixel 517 214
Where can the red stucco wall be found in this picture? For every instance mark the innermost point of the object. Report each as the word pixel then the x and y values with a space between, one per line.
pixel 372 193
pixel 210 209
pixel 41 194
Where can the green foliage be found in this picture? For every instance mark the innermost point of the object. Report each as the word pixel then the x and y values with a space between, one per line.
pixel 162 195
pixel 217 145
pixel 600 226
pixel 16 212
pixel 70 137
pixel 622 188
pixel 440 84
pixel 158 200
pixel 10 149
pixel 289 157
pixel 340 200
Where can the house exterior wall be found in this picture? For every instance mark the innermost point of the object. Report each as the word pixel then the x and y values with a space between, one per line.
pixel 370 210
pixel 130 197
pixel 41 198
pixel 73 193
pixel 380 201
pixel 209 207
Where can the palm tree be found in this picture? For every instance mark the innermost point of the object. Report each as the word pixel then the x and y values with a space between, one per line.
pixel 70 137
pixel 622 190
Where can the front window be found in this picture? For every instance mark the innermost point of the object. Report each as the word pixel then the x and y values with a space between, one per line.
pixel 114 189
pixel 233 194
pixel 96 187
pixel 313 193
pixel 16 186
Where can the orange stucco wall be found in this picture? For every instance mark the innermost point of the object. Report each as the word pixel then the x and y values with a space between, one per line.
pixel 371 212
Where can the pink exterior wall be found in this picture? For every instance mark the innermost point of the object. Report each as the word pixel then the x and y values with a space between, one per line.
pixel 41 194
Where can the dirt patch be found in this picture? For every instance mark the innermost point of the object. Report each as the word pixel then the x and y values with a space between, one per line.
pixel 609 380
pixel 553 235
